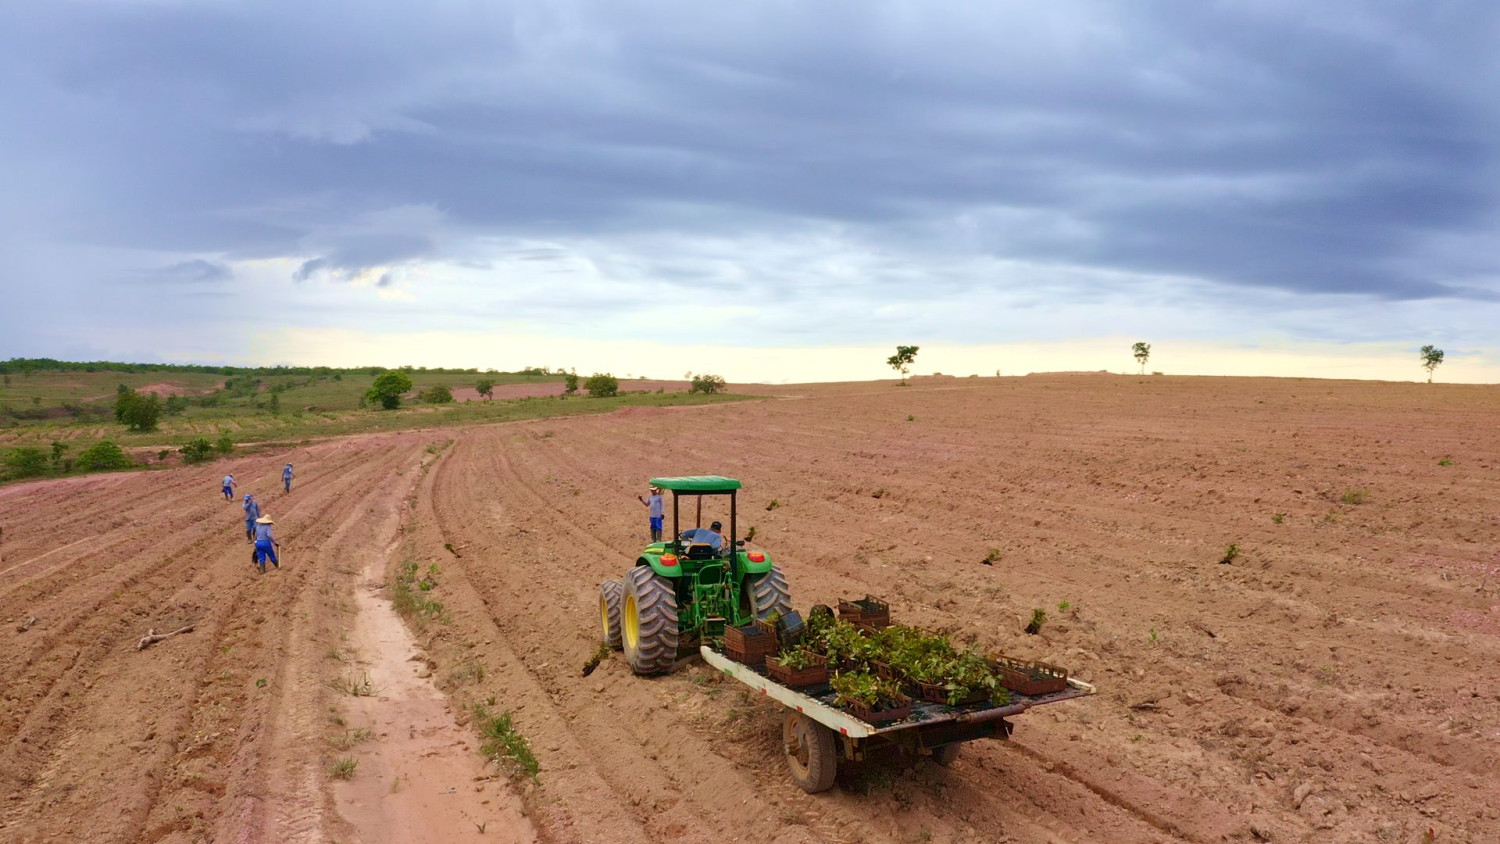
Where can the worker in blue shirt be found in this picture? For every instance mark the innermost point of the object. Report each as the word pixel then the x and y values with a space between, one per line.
pixel 286 477
pixel 265 544
pixel 658 511
pixel 706 536
pixel 252 512
pixel 228 487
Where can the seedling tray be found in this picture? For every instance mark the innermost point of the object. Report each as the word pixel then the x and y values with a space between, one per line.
pixel 866 612
pixel 938 693
pixel 879 716
pixel 1029 677
pixel 800 678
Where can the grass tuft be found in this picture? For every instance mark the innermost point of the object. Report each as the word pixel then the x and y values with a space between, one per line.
pixel 503 743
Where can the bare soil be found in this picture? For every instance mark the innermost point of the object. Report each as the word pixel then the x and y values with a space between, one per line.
pixel 1336 680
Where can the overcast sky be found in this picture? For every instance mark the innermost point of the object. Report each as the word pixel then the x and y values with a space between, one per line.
pixel 777 190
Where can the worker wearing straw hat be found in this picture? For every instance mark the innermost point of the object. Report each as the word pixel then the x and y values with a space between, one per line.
pixel 265 544
pixel 658 511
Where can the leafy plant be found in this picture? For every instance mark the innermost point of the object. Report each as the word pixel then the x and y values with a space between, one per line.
pixel 103 455
pixel 570 383
pixel 707 384
pixel 485 387
pixel 438 394
pixel 602 385
pixel 902 360
pixel 137 412
pixel 799 659
pixel 1038 618
pixel 197 450
pixel 773 505
pixel 1230 554
pixel 1446 461
pixel 1062 606
pixel 1278 518
pixel 867 689
pixel 224 444
pixel 387 388
pixel 26 462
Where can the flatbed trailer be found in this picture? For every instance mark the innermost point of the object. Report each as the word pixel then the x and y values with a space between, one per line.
pixel 817 734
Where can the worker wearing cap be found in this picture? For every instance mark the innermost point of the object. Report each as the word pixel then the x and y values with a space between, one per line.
pixel 706 536
pixel 252 512
pixel 265 544
pixel 286 477
pixel 228 487
pixel 658 511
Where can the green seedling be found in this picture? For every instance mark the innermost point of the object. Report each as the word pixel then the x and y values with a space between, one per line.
pixel 1230 554
pixel 343 769
pixel 1038 618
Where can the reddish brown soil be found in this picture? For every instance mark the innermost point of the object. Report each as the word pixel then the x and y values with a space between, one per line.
pixel 1336 681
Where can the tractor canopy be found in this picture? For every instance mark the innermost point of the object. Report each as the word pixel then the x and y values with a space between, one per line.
pixel 699 484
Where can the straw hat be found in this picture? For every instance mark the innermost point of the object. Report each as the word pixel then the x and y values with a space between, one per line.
pixel 264 520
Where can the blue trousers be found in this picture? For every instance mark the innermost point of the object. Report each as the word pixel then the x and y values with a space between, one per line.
pixel 265 550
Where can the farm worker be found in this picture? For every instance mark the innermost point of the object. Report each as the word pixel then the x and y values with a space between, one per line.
pixel 228 487
pixel 658 511
pixel 709 536
pixel 252 512
pixel 265 544
pixel 286 477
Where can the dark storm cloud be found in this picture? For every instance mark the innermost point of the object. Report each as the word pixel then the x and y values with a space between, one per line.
pixel 1331 148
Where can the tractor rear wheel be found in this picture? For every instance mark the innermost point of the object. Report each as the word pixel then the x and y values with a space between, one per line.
pixel 770 594
pixel 611 596
pixel 810 752
pixel 648 622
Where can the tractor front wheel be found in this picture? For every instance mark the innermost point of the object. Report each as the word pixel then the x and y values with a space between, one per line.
pixel 770 594
pixel 648 622
pixel 811 754
pixel 611 597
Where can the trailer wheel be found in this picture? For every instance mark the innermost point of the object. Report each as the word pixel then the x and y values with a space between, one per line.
pixel 946 754
pixel 648 622
pixel 811 754
pixel 611 596
pixel 770 594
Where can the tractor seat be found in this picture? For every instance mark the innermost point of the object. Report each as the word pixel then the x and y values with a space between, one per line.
pixel 699 551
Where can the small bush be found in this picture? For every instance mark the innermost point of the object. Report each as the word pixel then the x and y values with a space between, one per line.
pixel 570 383
pixel 224 444
pixel 26 462
pixel 707 384
pixel 437 395
pixel 602 386
pixel 197 451
pixel 101 456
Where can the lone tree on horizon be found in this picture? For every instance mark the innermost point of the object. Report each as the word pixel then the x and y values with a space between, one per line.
pixel 902 360
pixel 1142 352
pixel 1431 357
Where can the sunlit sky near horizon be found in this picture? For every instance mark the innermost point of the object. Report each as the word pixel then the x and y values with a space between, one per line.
pixel 771 191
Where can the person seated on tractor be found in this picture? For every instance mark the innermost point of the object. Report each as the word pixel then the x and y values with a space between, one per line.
pixel 709 536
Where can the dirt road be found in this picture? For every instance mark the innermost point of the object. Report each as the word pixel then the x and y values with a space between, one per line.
pixel 1336 680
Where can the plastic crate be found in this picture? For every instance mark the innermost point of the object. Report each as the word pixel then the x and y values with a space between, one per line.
pixel 813 675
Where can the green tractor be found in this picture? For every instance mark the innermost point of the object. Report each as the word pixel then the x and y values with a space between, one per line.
pixel 685 590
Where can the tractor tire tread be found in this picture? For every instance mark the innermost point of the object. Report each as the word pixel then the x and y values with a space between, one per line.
pixel 656 614
pixel 612 594
pixel 771 594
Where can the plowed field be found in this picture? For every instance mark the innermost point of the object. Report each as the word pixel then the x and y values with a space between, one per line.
pixel 1336 680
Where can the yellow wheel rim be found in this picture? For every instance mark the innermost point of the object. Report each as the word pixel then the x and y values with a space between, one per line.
pixel 630 624
pixel 604 613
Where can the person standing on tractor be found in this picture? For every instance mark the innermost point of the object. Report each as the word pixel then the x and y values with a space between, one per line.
pixel 286 477
pixel 228 487
pixel 265 544
pixel 658 511
pixel 252 512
